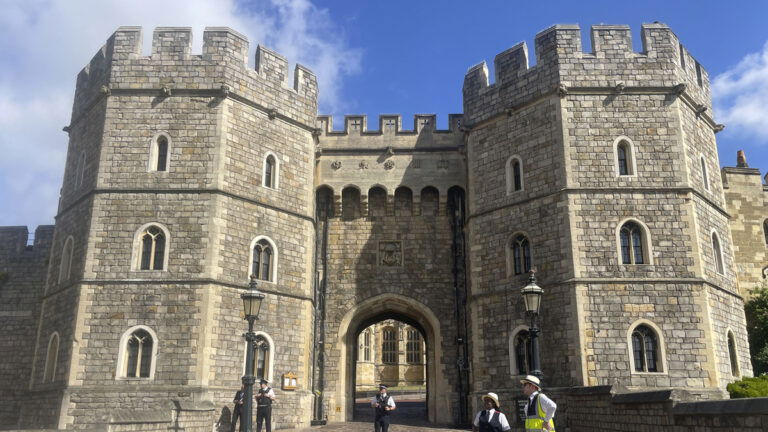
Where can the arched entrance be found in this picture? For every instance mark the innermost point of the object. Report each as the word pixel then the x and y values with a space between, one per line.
pixel 411 312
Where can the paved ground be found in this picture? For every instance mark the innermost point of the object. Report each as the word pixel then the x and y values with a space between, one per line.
pixel 410 416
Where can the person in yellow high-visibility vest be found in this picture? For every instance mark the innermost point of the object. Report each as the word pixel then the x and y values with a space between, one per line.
pixel 540 409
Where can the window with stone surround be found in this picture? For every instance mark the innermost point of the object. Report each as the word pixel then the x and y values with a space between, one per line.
pixel 514 171
pixel 519 259
pixel 152 249
pixel 704 175
pixel 138 354
pixel 413 347
pixel 65 265
pixel 403 201
pixel 520 352
pixel 264 259
pixel 350 203
pixel 389 346
pixel 261 358
pixel 159 150
pixel 717 253
pixel 765 231
pixel 631 244
pixel 645 349
pixel 734 358
pixel 430 201
pixel 624 157
pixel 377 202
pixel 270 174
pixel 51 358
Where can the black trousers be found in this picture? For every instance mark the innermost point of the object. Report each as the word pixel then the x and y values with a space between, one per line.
pixel 264 414
pixel 235 415
pixel 381 423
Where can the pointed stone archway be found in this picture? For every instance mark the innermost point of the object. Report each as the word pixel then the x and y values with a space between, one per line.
pixel 411 312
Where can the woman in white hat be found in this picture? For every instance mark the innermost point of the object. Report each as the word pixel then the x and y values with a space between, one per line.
pixel 490 419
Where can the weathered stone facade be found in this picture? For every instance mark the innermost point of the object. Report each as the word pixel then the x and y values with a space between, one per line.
pixel 364 225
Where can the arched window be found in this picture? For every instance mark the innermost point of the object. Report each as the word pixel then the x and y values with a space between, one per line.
pixel 261 358
pixel 377 202
pixel 624 153
pixel 365 355
pixel 521 254
pixel 350 203
pixel 413 347
pixel 80 173
pixel 521 353
pixel 324 203
pixel 704 175
pixel 632 244
pixel 138 353
pixel 717 253
pixel 732 354
pixel 389 346
pixel 514 174
pixel 65 266
pixel 263 259
pixel 403 201
pixel 271 171
pixel 51 358
pixel 645 349
pixel 430 201
pixel 158 153
pixel 152 255
pixel 765 231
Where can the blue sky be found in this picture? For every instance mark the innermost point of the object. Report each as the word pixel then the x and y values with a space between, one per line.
pixel 371 58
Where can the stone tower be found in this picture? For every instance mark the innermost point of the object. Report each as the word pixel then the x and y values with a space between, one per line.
pixel 621 206
pixel 169 152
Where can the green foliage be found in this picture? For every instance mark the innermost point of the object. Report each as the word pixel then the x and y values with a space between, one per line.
pixel 749 387
pixel 756 311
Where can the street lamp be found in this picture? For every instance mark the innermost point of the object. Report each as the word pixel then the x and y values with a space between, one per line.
pixel 251 305
pixel 532 294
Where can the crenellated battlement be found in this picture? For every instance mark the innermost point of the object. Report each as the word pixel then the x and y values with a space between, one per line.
pixel 357 124
pixel 561 64
pixel 223 65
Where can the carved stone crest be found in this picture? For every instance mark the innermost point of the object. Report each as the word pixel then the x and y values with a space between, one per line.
pixel 336 164
pixel 363 165
pixel 443 164
pixel 390 254
pixel 388 165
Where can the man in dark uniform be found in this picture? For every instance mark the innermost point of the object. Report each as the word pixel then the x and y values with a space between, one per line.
pixel 383 404
pixel 264 398
pixel 237 410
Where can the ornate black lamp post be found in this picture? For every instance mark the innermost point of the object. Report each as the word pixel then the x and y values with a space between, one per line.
pixel 532 294
pixel 251 305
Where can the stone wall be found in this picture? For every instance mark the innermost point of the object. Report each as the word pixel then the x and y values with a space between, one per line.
pixel 22 279
pixel 746 198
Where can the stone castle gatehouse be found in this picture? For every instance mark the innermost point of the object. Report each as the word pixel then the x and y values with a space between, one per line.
pixel 186 173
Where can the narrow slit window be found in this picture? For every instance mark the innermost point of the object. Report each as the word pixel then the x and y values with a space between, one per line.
pixel 162 154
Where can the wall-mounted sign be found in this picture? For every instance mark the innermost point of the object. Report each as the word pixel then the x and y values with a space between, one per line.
pixel 290 381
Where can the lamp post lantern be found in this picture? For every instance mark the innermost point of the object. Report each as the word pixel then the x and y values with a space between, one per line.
pixel 251 305
pixel 532 295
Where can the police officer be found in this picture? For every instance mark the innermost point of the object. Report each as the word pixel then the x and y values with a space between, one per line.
pixel 383 404
pixel 264 399
pixel 237 411
pixel 540 409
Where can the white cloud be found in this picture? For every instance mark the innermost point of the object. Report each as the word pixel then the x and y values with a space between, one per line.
pixel 45 43
pixel 740 96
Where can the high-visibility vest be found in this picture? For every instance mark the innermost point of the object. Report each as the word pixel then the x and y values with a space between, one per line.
pixel 534 421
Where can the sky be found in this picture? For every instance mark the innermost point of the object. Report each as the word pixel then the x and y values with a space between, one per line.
pixel 374 57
